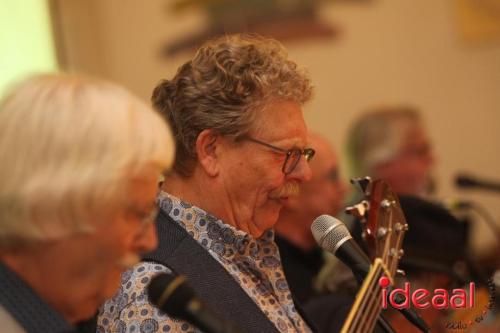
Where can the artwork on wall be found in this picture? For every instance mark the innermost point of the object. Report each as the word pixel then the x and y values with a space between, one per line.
pixel 479 20
pixel 280 19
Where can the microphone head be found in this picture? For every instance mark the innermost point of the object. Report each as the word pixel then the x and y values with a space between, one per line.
pixel 171 294
pixel 329 232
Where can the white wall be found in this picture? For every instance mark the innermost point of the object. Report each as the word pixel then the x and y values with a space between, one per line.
pixel 390 51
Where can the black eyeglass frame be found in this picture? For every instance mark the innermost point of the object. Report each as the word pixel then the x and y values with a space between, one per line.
pixel 308 153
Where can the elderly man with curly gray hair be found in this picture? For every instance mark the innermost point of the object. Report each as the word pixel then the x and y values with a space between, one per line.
pixel 242 143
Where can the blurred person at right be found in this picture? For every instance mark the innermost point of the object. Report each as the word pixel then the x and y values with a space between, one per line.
pixel 391 143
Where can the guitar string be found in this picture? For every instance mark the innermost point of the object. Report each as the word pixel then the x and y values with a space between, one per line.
pixel 374 301
pixel 367 312
pixel 371 310
pixel 361 310
pixel 391 263
pixel 375 306
pixel 369 305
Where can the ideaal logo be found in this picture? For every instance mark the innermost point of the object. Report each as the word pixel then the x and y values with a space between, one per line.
pixel 441 299
pixel 423 298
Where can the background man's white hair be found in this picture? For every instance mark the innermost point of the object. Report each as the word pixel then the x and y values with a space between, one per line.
pixel 377 136
pixel 67 145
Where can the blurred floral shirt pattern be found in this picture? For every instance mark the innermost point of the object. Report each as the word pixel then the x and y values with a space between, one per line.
pixel 254 263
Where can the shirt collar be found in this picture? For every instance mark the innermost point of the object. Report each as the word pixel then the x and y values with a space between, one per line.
pixel 211 232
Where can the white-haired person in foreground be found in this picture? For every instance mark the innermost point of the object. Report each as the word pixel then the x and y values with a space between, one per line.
pixel 80 162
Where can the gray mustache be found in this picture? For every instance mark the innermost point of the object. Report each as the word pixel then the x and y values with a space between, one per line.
pixel 287 190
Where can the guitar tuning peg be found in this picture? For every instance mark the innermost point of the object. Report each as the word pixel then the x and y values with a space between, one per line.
pixel 401 272
pixel 363 184
pixel 381 232
pixel 385 203
pixel 396 253
pixel 401 227
pixel 359 210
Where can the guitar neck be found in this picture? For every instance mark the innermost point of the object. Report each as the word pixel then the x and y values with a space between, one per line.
pixel 367 306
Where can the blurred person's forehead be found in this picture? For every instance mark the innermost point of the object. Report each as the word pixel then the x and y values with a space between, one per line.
pixel 326 158
pixel 416 134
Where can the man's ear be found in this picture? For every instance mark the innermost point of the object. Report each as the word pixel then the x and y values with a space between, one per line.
pixel 206 144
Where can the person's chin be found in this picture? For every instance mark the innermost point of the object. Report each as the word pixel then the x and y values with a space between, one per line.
pixel 283 201
pixel 273 207
pixel 269 216
pixel 279 201
pixel 109 288
pixel 85 311
pixel 113 285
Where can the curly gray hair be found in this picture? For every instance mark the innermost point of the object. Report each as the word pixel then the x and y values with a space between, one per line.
pixel 229 80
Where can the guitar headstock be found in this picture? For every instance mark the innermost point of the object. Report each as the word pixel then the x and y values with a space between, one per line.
pixel 383 221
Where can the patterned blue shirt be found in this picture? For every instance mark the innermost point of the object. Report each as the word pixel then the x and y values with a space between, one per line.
pixel 254 263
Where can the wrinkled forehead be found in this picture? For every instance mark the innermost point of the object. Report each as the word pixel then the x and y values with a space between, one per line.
pixel 281 121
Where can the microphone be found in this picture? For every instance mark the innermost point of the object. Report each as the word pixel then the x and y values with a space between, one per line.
pixel 467 181
pixel 172 295
pixel 332 235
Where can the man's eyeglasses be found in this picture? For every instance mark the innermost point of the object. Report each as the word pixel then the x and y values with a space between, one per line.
pixel 292 155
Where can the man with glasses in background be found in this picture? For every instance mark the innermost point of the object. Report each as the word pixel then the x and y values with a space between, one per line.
pixel 235 111
pixel 302 258
pixel 392 143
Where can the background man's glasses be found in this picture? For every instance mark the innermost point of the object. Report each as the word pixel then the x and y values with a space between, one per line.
pixel 292 155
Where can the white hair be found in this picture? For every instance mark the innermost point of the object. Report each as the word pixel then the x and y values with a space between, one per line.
pixel 68 145
pixel 377 137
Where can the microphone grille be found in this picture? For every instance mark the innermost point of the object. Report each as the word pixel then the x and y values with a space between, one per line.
pixel 329 232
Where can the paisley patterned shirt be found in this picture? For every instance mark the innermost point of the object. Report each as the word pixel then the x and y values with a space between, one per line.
pixel 254 263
